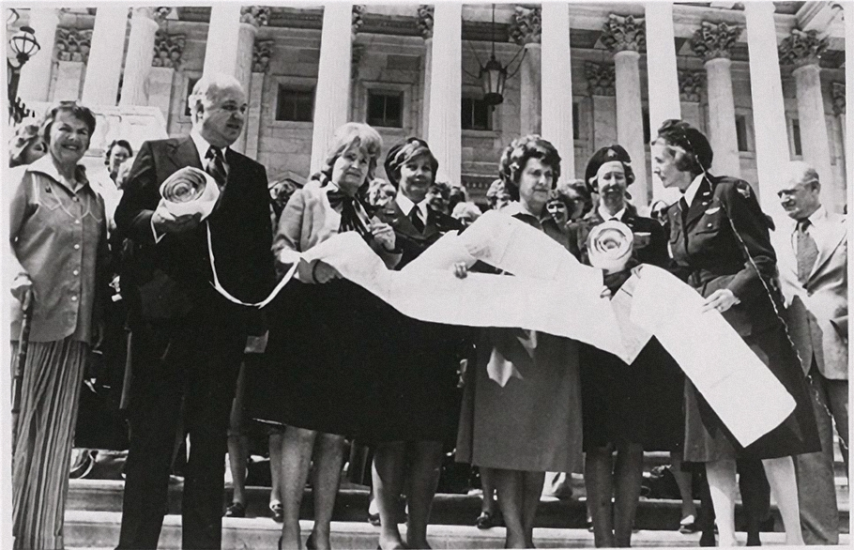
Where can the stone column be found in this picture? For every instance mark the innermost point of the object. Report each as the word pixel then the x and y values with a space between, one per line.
pixel 425 26
pixel 223 40
pixel 34 83
pixel 168 50
pixel 261 55
pixel 662 75
pixel 332 95
pixel 769 113
pixel 624 36
pixel 525 30
pixel 556 78
pixel 72 54
pixel 251 18
pixel 691 95
pixel 803 49
pixel 600 86
pixel 103 72
pixel 713 42
pixel 837 93
pixel 143 28
pixel 444 130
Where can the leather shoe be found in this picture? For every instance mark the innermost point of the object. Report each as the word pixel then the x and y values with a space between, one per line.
pixel 236 510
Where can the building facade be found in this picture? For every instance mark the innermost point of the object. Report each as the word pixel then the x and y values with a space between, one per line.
pixel 765 81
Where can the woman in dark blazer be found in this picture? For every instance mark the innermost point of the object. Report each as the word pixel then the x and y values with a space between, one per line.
pixel 415 396
pixel 626 408
pixel 319 329
pixel 720 245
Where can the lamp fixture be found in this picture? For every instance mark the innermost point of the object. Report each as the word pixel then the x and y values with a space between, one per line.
pixel 24 45
pixel 493 75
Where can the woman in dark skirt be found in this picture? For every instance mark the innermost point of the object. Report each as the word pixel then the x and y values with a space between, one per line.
pixel 415 400
pixel 318 341
pixel 626 409
pixel 720 245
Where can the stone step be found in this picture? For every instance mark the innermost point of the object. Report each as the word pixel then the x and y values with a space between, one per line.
pixel 448 509
pixel 100 530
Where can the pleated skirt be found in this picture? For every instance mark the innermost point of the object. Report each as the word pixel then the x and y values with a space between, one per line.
pixel 50 391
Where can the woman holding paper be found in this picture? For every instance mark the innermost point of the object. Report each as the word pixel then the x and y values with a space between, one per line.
pixel 521 413
pixel 415 399
pixel 58 238
pixel 720 245
pixel 626 408
pixel 318 341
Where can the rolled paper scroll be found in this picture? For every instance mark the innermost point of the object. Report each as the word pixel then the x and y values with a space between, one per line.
pixel 609 246
pixel 189 191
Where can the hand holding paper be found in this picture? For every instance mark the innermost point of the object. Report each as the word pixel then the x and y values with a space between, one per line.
pixel 187 197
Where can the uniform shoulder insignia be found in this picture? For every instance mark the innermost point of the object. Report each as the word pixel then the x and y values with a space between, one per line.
pixel 743 188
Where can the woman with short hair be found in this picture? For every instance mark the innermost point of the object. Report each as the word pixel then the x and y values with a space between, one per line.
pixel 318 344
pixel 59 249
pixel 720 245
pixel 532 424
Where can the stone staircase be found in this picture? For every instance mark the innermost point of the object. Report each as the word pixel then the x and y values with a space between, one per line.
pixel 93 518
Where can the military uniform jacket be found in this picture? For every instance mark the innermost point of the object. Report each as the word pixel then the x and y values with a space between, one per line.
pixel 410 241
pixel 653 251
pixel 723 242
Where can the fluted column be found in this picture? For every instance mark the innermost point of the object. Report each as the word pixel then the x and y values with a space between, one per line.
pixel 803 49
pixel 600 87
pixel 143 29
pixel 662 76
pixel 625 37
pixel 223 41
pixel 332 96
pixel 425 26
pixel 103 72
pixel 525 30
pixel 766 91
pixel 34 83
pixel 444 129
pixel 72 53
pixel 261 55
pixel 713 42
pixel 556 77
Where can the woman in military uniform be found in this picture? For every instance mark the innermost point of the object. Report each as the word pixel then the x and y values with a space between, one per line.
pixel 720 245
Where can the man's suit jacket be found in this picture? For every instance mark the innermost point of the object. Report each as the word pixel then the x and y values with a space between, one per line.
pixel 724 243
pixel 168 279
pixel 817 310
pixel 410 241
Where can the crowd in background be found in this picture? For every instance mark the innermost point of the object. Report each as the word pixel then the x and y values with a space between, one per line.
pixel 132 354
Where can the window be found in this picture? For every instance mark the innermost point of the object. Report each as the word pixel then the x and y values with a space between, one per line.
pixel 191 83
pixel 646 132
pixel 295 104
pixel 385 109
pixel 476 114
pixel 576 133
pixel 741 133
pixel 796 137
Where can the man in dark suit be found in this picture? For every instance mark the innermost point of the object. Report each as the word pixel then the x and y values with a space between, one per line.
pixel 812 253
pixel 188 340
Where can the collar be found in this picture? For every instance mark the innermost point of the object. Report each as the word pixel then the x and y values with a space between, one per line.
pixel 515 209
pixel 45 166
pixel 816 218
pixel 202 145
pixel 691 192
pixel 605 215
pixel 406 205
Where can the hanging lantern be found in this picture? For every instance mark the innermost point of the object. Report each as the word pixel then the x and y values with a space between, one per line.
pixel 493 76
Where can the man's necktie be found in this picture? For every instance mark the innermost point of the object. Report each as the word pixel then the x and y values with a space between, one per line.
pixel 807 251
pixel 417 222
pixel 216 166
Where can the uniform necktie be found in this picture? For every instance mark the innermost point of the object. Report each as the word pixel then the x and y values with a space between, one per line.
pixel 417 222
pixel 683 209
pixel 807 251
pixel 216 166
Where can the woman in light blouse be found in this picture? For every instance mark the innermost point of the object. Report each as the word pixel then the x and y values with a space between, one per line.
pixel 318 330
pixel 59 249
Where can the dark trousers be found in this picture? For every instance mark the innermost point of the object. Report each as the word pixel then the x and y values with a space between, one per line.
pixel 195 360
